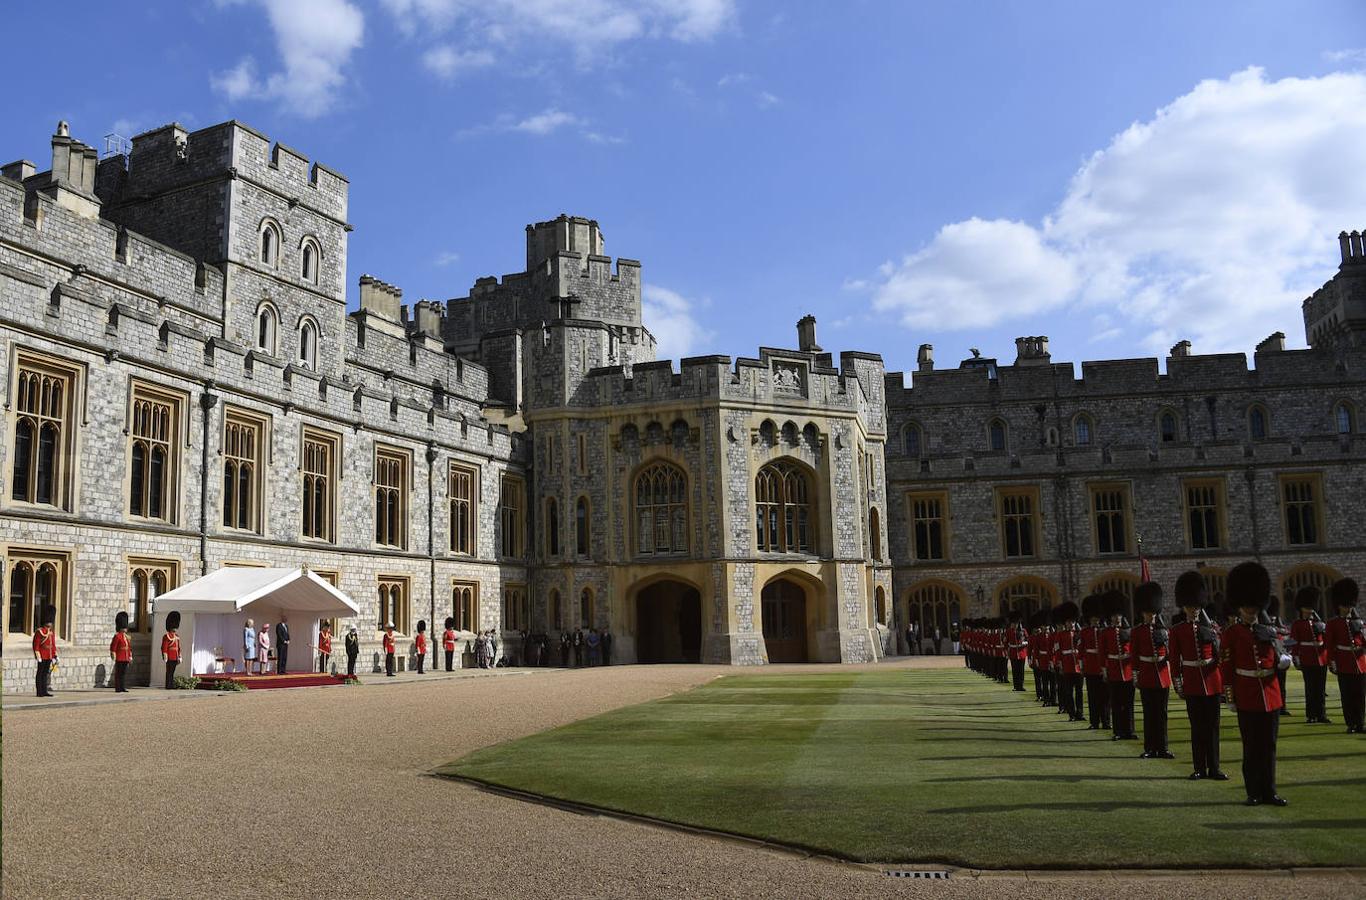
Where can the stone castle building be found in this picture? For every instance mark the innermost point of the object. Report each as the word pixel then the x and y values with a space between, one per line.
pixel 185 390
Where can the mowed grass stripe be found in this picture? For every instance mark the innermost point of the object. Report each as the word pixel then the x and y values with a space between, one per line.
pixel 940 766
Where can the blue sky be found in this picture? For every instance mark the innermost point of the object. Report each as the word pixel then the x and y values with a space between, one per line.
pixel 1117 177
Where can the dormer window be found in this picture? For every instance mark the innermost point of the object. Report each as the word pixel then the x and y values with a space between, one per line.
pixel 308 345
pixel 310 257
pixel 267 329
pixel 270 244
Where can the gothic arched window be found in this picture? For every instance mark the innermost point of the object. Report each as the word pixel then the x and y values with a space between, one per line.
pixel 1343 418
pixel 661 510
pixel 913 441
pixel 782 509
pixel 1081 430
pixel 267 328
pixel 270 243
pixel 308 345
pixel 997 433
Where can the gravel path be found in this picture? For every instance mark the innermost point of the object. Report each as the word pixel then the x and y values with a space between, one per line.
pixel 324 792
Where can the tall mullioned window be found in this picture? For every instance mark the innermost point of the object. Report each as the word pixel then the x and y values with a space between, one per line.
pixel 148 579
pixel 1017 510
pixel 460 488
pixel 782 515
pixel 391 495
pixel 998 435
pixel 44 429
pixel 515 608
pixel 512 516
pixel 1204 514
pixel 661 507
pixel 393 603
pixel 1110 518
pixel 243 467
pixel 320 451
pixel 37 578
pixel 152 457
pixel 465 605
pixel 929 526
pixel 1300 503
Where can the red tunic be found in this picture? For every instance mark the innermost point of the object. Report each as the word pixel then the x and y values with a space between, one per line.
pixel 1019 641
pixel 1200 675
pixel 45 643
pixel 121 648
pixel 388 642
pixel 324 642
pixel 1249 667
pixel 1346 650
pixel 1148 660
pixel 1118 664
pixel 421 643
pixel 170 646
pixel 1069 654
pixel 448 639
pixel 1310 650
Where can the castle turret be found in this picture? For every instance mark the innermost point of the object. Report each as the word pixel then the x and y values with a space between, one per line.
pixel 564 233
pixel 1336 313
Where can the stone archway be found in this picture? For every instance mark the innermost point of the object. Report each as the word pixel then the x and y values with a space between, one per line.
pixel 784 618
pixel 668 623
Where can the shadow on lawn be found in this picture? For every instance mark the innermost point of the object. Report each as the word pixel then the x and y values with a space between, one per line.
pixel 1309 823
pixel 1067 779
pixel 1115 806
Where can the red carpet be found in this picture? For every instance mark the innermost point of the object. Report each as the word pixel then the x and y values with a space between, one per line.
pixel 264 682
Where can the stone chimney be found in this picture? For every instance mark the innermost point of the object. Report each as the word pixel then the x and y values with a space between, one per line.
pixel 1353 248
pixel 1032 351
pixel 1180 350
pixel 380 305
pixel 924 358
pixel 1273 344
pixel 72 179
pixel 806 334
pixel 18 170
pixel 427 324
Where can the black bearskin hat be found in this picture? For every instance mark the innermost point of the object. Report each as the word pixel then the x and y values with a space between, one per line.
pixel 49 617
pixel 173 620
pixel 1148 597
pixel 1345 592
pixel 121 621
pixel 1015 616
pixel 421 625
pixel 1190 588
pixel 1090 607
pixel 1273 605
pixel 1307 597
pixel 1113 602
pixel 1065 612
pixel 450 621
pixel 1249 585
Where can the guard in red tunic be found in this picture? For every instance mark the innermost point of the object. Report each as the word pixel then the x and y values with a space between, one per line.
pixel 1092 666
pixel 324 646
pixel 389 649
pixel 1116 647
pixel 1282 635
pixel 1195 656
pixel 1308 646
pixel 448 642
pixel 45 650
pixel 1346 639
pixel 1067 650
pixel 1148 654
pixel 121 652
pixel 1250 661
pixel 170 647
pixel 1018 644
pixel 1043 656
pixel 421 644
pixel 1002 651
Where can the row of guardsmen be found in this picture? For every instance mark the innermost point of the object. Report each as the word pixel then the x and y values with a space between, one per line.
pixel 1237 656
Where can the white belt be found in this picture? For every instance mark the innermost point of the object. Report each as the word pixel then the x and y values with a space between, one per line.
pixel 1255 673
pixel 1069 653
pixel 1350 649
pixel 1195 662
pixel 1152 659
pixel 1092 651
pixel 1119 656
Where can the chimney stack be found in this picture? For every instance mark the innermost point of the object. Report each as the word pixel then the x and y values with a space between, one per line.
pixel 380 305
pixel 1032 351
pixel 1352 247
pixel 924 358
pixel 1273 344
pixel 1180 350
pixel 806 334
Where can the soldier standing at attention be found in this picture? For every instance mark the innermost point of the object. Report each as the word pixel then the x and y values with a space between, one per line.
pixel 324 646
pixel 1068 659
pixel 1092 666
pixel 121 652
pixel 389 649
pixel 448 642
pixel 45 651
pixel 1249 663
pixel 1195 653
pixel 421 644
pixel 1347 647
pixel 170 647
pixel 1309 647
pixel 1115 646
pixel 1149 659
pixel 1019 642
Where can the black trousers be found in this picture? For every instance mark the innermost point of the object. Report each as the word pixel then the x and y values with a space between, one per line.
pixel 1066 694
pixel 351 664
pixel 1077 698
pixel 170 673
pixel 1259 730
pixel 44 680
pixel 1203 713
pixel 120 677
pixel 450 660
pixel 1155 718
pixel 282 658
pixel 322 662
pixel 1017 673
pixel 1352 688
pixel 1097 701
pixel 388 664
pixel 421 658
pixel 1315 684
pixel 1121 707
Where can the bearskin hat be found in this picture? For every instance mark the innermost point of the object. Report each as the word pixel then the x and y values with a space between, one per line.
pixel 1015 616
pixel 1345 592
pixel 1273 605
pixel 450 622
pixel 1249 585
pixel 1190 588
pixel 1307 597
pixel 173 620
pixel 49 617
pixel 1065 612
pixel 1091 607
pixel 1038 619
pixel 121 621
pixel 421 625
pixel 1113 602
pixel 1148 597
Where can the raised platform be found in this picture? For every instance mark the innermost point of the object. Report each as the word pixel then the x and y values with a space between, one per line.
pixel 266 682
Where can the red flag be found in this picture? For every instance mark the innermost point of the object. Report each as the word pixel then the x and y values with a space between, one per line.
pixel 1143 574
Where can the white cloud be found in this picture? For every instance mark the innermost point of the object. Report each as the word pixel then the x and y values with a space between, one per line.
pixel 315 39
pixel 542 124
pixel 1355 56
pixel 446 258
pixel 1210 221
pixel 732 78
pixel 766 100
pixel 671 318
pixel 546 122
pixel 447 62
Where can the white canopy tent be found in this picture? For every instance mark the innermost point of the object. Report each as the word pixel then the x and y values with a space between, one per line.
pixel 214 610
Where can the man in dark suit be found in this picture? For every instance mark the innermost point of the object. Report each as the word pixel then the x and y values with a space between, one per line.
pixel 282 645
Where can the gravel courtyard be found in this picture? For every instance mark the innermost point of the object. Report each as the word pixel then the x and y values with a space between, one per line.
pixel 325 792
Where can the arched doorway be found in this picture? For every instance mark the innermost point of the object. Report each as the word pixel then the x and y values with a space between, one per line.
pixel 784 616
pixel 668 623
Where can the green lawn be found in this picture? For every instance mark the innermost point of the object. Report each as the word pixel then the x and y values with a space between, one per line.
pixel 940 766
